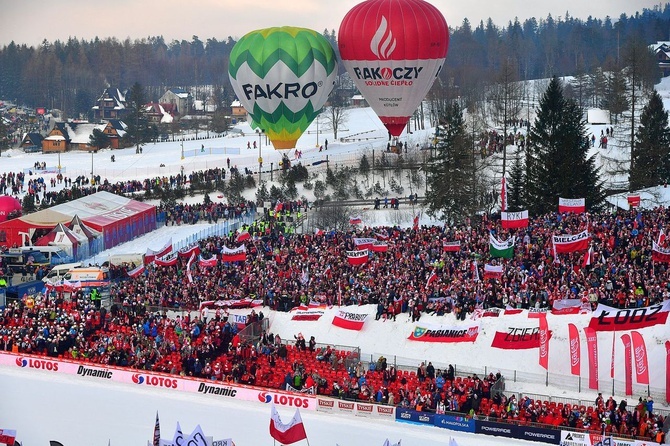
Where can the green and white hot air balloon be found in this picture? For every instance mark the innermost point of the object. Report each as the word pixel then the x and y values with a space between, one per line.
pixel 283 76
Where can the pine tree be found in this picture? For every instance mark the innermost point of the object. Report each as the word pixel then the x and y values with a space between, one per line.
pixel 138 130
pixel 516 185
pixel 450 194
pixel 651 158
pixel 557 163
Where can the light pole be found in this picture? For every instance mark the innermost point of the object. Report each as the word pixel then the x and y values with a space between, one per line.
pixel 59 162
pixel 182 149
pixel 260 157
pixel 317 130
pixel 91 166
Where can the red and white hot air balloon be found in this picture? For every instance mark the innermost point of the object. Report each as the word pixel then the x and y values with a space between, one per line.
pixel 393 50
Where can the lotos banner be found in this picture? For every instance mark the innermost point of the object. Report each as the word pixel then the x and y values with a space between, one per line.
pixel 592 349
pixel 606 318
pixel 640 355
pixel 518 338
pixel 444 333
pixel 628 366
pixel 571 243
pixel 350 321
pixel 575 350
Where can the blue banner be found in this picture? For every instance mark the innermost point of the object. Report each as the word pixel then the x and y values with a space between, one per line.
pixel 455 423
pixel 414 417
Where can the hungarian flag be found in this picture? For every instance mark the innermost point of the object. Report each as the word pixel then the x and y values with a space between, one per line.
pixel 514 219
pixel 318 231
pixel 364 243
pixel 355 220
pixel 234 255
pixel 380 246
pixel 576 205
pixel 207 263
pixel 493 271
pixel 357 257
pixel 287 433
pixel 659 254
pixel 242 236
pixel 136 272
pixel 571 243
pixel 634 200
pixel 451 246
pixel 501 249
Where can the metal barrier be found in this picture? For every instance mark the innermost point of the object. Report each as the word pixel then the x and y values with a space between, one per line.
pixel 253 332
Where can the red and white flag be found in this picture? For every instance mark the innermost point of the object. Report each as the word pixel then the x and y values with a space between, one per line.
pixel 364 242
pixel 634 200
pixel 7 436
pixel 587 258
pixel 355 220
pixel 379 246
pixel 451 246
pixel 152 255
pixel 493 271
pixel 136 271
pixel 415 223
pixel 359 257
pixel 238 254
pixel 288 433
pixel 318 231
pixel 576 205
pixel 165 262
pixel 628 364
pixel 660 254
pixel 382 236
pixel 503 194
pixel 640 358
pixel 575 350
pixel 510 220
pixel 432 278
pixel 207 263
pixel 186 253
pixel 348 320
pixel 242 236
pixel 661 237
pixel 571 243
pixel 188 268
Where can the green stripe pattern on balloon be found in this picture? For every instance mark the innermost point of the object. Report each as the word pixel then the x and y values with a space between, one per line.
pixel 283 76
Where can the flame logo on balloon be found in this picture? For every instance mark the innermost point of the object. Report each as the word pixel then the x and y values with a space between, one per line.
pixel 383 43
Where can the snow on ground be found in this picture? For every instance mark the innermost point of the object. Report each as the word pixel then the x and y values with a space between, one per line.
pixel 76 412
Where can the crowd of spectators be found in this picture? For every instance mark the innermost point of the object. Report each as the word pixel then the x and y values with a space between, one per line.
pixel 284 270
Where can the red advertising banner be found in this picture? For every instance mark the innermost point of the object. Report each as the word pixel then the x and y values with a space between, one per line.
pixel 544 342
pixel 620 319
pixel 572 243
pixel 350 321
pixel 518 338
pixel 628 366
pixel 641 361
pixel 444 333
pixel 592 349
pixel 575 350
pixel 634 200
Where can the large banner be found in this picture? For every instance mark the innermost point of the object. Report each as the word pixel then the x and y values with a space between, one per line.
pixel 510 430
pixel 660 254
pixel 350 321
pixel 511 220
pixel 621 319
pixel 451 246
pixel 504 249
pixel 628 364
pixel 575 350
pixel 238 254
pixel 307 315
pixel 444 333
pixel 570 306
pixel 544 342
pixel 640 355
pixel 364 243
pixel 455 423
pixel 358 257
pixel 577 205
pixel 592 349
pixel 571 243
pixel 518 338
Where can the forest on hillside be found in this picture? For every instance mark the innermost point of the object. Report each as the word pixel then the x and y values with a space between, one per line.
pixel 70 75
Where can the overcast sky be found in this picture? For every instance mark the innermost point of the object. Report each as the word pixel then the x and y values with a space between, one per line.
pixel 30 21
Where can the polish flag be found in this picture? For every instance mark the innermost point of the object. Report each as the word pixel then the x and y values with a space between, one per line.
pixel 318 231
pixel 432 278
pixel 587 258
pixel 576 205
pixel 287 433
pixel 136 272
pixel 242 236
pixel 357 257
pixel 234 255
pixel 355 220
pixel 380 247
pixel 634 200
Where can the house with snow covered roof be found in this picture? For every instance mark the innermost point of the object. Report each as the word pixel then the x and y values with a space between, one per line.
pixel 179 98
pixel 662 52
pixel 158 113
pixel 110 105
pixel 77 135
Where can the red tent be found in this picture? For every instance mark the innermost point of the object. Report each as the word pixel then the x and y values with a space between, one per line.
pixel 62 237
